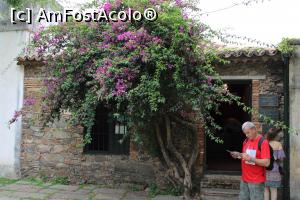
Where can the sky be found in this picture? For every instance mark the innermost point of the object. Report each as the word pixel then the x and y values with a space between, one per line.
pixel 268 21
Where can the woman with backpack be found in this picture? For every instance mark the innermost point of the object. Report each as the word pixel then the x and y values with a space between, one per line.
pixel 273 177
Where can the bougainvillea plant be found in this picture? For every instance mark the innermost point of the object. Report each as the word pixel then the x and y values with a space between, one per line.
pixel 156 74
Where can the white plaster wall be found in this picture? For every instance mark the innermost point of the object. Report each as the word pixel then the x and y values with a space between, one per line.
pixel 13 38
pixel 11 98
pixel 294 78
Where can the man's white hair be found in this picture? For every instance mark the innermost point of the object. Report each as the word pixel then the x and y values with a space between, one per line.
pixel 248 125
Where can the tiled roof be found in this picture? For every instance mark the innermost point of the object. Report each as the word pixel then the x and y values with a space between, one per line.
pixel 223 52
pixel 29 58
pixel 247 52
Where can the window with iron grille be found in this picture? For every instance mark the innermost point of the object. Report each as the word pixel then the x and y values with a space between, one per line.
pixel 108 134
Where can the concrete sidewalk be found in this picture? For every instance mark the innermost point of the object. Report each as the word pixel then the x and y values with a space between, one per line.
pixel 22 190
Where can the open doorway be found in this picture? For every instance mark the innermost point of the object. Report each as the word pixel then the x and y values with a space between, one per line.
pixel 231 120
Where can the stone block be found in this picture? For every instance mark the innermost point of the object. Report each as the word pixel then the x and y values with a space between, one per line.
pixel 29 195
pixel 70 188
pixel 109 191
pixel 89 187
pixel 52 158
pixel 21 187
pixel 58 134
pixel 136 196
pixel 73 196
pixel 107 197
pixel 48 191
pixel 59 148
pixel 61 165
pixel 4 193
pixel 43 148
pixel 134 167
pixel 167 197
pixel 82 192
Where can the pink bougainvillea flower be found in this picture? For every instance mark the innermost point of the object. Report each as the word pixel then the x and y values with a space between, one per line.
pixel 209 80
pixel 119 26
pixel 154 2
pixel 129 74
pixel 41 27
pixel 107 7
pixel 120 88
pixel 130 45
pixel 50 85
pixel 36 36
pixel 156 40
pixel 29 101
pixel 179 3
pixel 125 36
pixel 103 45
pixel 170 66
pixel 118 3
pixel 103 69
pixel 82 50
pixel 17 114
pixel 62 70
pixel 181 29
pixel 185 15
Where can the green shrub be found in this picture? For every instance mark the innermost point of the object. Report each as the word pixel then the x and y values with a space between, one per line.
pixel 6 181
pixel 154 190
pixel 61 180
pixel 35 181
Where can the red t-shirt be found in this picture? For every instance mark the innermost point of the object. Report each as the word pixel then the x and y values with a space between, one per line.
pixel 251 172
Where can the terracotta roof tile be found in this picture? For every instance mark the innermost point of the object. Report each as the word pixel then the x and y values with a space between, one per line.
pixel 223 52
pixel 29 58
pixel 247 52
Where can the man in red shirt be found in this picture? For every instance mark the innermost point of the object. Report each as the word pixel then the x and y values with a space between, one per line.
pixel 254 163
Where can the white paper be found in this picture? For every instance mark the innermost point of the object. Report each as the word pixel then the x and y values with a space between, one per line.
pixel 252 154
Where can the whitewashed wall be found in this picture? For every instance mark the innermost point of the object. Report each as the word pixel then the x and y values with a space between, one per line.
pixel 11 98
pixel 13 38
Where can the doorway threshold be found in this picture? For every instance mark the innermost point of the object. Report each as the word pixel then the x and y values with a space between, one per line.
pixel 221 181
pixel 220 172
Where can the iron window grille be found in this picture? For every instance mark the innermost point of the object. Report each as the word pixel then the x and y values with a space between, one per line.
pixel 108 134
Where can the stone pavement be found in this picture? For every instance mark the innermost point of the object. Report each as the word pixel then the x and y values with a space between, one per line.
pixel 25 190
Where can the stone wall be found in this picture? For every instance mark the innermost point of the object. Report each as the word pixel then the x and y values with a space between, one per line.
pixel 58 151
pixel 266 77
pixel 265 73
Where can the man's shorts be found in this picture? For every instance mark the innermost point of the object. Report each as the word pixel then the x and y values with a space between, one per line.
pixel 251 191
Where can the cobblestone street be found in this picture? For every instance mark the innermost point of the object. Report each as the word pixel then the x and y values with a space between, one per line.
pixel 22 190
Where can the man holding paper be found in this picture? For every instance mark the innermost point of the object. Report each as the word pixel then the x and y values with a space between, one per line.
pixel 254 163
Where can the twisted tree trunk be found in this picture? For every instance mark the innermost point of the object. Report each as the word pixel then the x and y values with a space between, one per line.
pixel 183 171
pixel 166 157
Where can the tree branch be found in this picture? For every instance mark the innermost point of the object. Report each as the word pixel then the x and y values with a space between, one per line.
pixel 187 177
pixel 195 152
pixel 170 164
pixel 193 128
pixel 185 123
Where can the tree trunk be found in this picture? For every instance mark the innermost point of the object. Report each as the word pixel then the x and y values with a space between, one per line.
pixel 166 157
pixel 185 178
pixel 187 181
